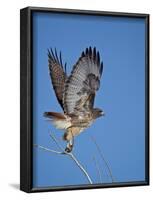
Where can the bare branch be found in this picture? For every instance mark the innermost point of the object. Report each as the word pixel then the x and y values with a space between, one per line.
pixel 102 156
pixel 81 167
pixel 46 149
pixel 57 142
pixel 63 152
pixel 98 169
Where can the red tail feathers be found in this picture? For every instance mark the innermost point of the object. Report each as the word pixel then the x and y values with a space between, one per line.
pixel 54 115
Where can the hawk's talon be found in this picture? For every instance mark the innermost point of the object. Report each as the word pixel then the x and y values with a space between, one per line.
pixel 68 149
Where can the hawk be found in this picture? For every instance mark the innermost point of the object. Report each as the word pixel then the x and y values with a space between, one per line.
pixel 75 93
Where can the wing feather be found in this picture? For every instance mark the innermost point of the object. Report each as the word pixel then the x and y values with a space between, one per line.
pixel 82 84
pixel 57 74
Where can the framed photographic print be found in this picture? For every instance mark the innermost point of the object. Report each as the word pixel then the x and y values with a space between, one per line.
pixel 84 99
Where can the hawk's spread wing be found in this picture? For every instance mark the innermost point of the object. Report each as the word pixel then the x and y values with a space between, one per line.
pixel 82 84
pixel 57 73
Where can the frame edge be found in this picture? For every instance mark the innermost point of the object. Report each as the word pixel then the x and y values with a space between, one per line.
pixel 147 101
pixel 25 101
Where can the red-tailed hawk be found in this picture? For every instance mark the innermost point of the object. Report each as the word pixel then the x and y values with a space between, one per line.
pixel 75 93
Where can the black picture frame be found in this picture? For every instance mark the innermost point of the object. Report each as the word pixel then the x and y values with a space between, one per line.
pixel 26 94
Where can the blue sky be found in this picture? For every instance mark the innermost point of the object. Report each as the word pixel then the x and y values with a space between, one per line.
pixel 120 134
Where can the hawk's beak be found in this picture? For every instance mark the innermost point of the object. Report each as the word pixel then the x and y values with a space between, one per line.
pixel 102 113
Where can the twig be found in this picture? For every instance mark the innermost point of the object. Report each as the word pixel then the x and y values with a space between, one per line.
pixel 57 142
pixel 46 149
pixel 98 169
pixel 81 167
pixel 102 156
pixel 63 152
pixel 72 157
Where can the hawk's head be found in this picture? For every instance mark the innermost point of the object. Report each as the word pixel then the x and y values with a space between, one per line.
pixel 97 113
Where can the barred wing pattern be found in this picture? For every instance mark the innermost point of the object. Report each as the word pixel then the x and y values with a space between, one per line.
pixel 82 84
pixel 57 74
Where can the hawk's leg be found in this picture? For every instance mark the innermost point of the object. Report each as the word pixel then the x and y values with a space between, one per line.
pixel 69 145
pixel 68 136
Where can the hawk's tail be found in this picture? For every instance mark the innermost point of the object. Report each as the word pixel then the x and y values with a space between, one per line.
pixel 59 120
pixel 54 115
